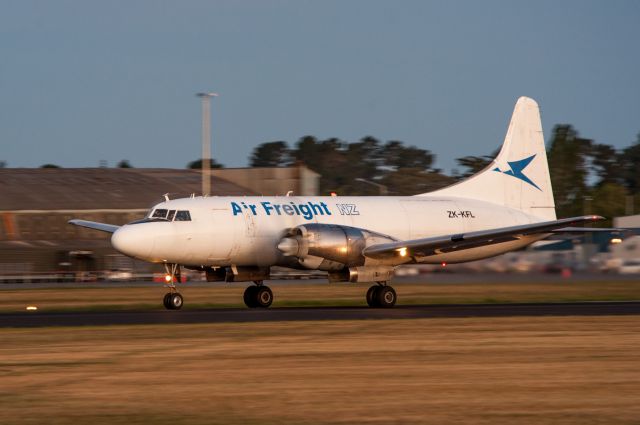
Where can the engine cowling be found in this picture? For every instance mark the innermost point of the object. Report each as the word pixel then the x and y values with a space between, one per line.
pixel 330 247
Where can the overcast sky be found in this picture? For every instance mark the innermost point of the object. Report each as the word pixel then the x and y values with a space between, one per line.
pixel 84 81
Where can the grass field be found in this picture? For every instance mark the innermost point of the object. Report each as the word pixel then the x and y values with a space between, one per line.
pixel 305 294
pixel 435 371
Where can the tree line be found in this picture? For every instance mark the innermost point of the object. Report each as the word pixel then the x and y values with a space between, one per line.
pixel 587 177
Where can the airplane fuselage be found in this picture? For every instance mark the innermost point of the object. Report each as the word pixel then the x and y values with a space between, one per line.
pixel 245 231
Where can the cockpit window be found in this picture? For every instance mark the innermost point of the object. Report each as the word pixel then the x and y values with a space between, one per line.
pixel 183 216
pixel 159 213
pixel 162 214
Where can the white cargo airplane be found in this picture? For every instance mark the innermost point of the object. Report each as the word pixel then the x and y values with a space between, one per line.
pixel 502 208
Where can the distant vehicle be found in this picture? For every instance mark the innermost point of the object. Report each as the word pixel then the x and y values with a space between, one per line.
pixel 86 277
pixel 629 267
pixel 505 207
pixel 609 265
pixel 119 275
pixel 407 271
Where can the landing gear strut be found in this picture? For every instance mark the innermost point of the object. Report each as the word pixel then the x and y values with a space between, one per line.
pixel 258 295
pixel 172 299
pixel 381 295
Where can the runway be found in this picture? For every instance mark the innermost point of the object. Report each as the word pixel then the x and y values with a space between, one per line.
pixel 291 314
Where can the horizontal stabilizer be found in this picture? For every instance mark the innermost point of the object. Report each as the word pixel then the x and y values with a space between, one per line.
pixel 103 227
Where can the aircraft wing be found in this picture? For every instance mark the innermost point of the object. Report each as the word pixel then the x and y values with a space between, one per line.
pixel 103 227
pixel 449 243
pixel 583 230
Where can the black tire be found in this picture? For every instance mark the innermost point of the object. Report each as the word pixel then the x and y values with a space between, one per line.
pixel 372 299
pixel 249 296
pixel 386 297
pixel 165 301
pixel 263 296
pixel 176 301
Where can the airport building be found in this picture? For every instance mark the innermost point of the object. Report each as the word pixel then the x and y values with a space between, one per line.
pixel 37 203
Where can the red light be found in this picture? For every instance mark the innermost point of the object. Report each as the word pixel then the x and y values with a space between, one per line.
pixel 444 264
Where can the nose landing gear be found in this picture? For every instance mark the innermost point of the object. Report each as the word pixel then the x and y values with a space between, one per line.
pixel 172 299
pixel 258 295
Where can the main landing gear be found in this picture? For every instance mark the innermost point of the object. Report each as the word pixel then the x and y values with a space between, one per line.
pixel 381 295
pixel 258 295
pixel 172 299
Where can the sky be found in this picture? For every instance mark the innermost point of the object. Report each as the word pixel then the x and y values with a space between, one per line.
pixel 89 81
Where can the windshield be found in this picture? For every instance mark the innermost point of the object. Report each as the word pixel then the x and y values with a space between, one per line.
pixel 159 213
pixel 183 216
pixel 163 214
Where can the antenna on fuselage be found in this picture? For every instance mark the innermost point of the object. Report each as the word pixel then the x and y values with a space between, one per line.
pixel 289 193
pixel 166 196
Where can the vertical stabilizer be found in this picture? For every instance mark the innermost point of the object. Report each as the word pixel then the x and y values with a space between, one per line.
pixel 519 176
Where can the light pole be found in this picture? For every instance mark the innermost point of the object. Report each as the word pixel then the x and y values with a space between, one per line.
pixel 382 188
pixel 206 141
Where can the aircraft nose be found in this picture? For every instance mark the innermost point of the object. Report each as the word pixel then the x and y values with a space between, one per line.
pixel 133 241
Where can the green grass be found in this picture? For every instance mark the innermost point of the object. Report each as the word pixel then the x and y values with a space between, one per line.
pixel 316 295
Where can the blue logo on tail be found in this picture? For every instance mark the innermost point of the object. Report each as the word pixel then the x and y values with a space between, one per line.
pixel 517 168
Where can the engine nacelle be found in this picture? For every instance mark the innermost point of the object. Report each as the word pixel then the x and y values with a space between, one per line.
pixel 363 274
pixel 330 247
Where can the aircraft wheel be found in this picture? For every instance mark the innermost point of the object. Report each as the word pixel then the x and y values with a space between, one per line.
pixel 176 301
pixel 173 301
pixel 386 296
pixel 249 296
pixel 372 299
pixel 263 296
pixel 165 301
